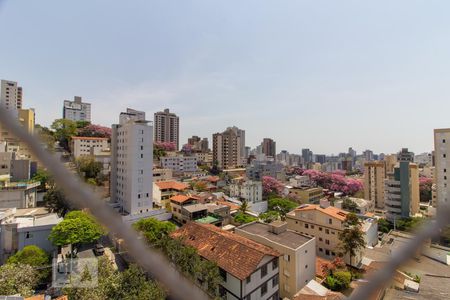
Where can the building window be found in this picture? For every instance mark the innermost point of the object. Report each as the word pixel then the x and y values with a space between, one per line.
pixel 275 281
pixel 327 231
pixel 223 274
pixel 320 249
pixel 28 235
pixel 330 221
pixel 287 257
pixel 306 225
pixel 327 242
pixel 264 289
pixel 312 226
pixel 249 278
pixel 320 228
pixel 320 239
pixel 443 141
pixel 306 266
pixel 264 271
pixel 327 252
pixel 274 264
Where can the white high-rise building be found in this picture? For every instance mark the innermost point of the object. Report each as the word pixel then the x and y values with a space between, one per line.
pixel 10 95
pixel 132 163
pixel 77 110
pixel 442 165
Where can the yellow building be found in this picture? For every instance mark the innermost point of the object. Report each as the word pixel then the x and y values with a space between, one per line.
pixel 374 176
pixel 26 118
pixel 307 195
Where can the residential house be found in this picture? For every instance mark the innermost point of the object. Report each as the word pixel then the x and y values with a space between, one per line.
pixel 298 261
pixel 24 227
pixel 249 270
pixel 164 190
pixel 325 223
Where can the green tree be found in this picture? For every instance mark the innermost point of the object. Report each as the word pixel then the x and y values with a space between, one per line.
pixel 282 206
pixel 82 124
pixel 352 237
pixel 55 201
pixel 46 136
pixel 154 230
pixel 269 216
pixel 88 167
pixel 349 205
pixel 245 206
pixel 18 279
pixel 135 286
pixel 384 225
pixel 77 228
pixel 243 218
pixel 64 130
pixel 44 177
pixel 33 256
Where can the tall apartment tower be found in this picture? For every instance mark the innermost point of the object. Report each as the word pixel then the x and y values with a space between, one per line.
pixel 132 163
pixel 167 127
pixel 374 176
pixel 241 134
pixel 307 156
pixel 10 95
pixel 77 110
pixel 269 147
pixel 227 147
pixel 402 193
pixel 442 165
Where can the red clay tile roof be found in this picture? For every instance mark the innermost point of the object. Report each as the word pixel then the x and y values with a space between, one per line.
pixel 174 185
pixel 212 178
pixel 227 203
pixel 330 210
pixel 235 254
pixel 181 198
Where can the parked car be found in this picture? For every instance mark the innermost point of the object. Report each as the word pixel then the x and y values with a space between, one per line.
pixel 99 249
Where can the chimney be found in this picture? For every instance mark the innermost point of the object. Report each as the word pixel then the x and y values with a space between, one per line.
pixel 278 227
pixel 324 203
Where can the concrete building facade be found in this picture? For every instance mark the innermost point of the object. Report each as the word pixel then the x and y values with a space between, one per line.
pixel 167 127
pixel 132 163
pixel 179 163
pixel 297 262
pixel 77 110
pixel 228 148
pixel 86 146
pixel 442 165
pixel 374 177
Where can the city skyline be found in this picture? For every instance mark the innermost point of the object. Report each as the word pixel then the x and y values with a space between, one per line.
pixel 324 77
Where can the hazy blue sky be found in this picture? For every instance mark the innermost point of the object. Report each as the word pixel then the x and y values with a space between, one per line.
pixel 320 74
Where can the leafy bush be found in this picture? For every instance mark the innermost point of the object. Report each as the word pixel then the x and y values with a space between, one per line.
pixel 339 280
pixel 243 218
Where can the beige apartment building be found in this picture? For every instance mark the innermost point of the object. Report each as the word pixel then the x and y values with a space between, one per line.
pixel 227 148
pixel 307 195
pixel 323 223
pixel 297 262
pixel 82 146
pixel 374 176
pixel 167 127
pixel 442 164
pixel 391 162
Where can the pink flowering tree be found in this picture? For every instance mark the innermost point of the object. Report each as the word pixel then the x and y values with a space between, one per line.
pixel 272 186
pixel 160 149
pixel 166 146
pixel 336 181
pixel 93 130
pixel 425 186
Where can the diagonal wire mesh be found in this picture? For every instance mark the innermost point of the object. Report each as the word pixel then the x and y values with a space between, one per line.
pixel 154 262
pixel 80 195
